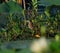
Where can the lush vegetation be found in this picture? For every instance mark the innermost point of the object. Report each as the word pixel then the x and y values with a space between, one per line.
pixel 26 24
pixel 22 24
pixel 55 47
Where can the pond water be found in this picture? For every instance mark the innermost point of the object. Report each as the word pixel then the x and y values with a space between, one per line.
pixel 21 46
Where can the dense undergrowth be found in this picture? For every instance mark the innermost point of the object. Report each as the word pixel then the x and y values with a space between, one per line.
pixel 21 24
pixel 28 24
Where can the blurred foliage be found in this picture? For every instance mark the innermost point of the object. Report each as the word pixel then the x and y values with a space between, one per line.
pixel 10 7
pixel 17 26
pixel 55 47
pixel 7 51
